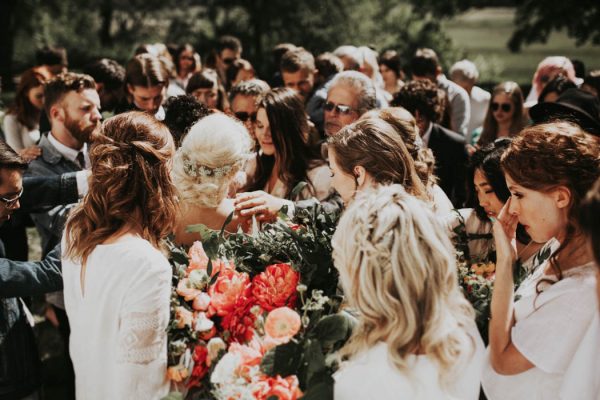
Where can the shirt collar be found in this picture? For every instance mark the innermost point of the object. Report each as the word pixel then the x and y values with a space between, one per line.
pixel 67 152
pixel 427 135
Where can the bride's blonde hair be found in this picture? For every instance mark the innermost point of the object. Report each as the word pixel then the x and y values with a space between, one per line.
pixel 211 154
pixel 397 269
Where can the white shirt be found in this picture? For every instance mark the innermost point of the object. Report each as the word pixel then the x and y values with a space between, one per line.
pixel 17 135
pixel 480 101
pixel 69 153
pixel 118 340
pixel 371 375
pixel 548 331
pixel 427 135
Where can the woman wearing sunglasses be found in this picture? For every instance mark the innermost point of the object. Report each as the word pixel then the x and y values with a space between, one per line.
pixel 505 116
pixel 284 157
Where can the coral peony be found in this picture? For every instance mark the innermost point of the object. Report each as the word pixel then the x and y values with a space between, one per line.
pixel 225 291
pixel 276 287
pixel 277 387
pixel 282 324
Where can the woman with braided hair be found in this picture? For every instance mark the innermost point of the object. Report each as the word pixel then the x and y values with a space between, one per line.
pixel 117 282
pixel 416 336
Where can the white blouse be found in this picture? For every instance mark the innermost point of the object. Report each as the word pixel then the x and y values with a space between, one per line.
pixel 118 324
pixel 371 375
pixel 549 328
pixel 17 135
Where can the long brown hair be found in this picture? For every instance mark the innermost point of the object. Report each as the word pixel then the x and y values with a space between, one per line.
pixel 130 185
pixel 490 126
pixel 546 156
pixel 26 113
pixel 289 130
pixel 376 146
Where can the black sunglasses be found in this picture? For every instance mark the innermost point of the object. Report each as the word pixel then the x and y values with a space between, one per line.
pixel 506 107
pixel 244 116
pixel 340 108
pixel 228 61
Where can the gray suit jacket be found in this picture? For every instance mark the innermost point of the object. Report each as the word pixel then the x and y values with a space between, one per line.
pixel 50 224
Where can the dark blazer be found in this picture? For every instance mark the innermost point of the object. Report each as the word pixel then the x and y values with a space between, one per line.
pixel 450 162
pixel 50 224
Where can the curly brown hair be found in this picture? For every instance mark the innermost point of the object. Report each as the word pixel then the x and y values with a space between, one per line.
pixel 423 96
pixel 130 185
pixel 546 156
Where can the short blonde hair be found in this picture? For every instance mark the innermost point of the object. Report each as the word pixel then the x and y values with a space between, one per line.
pixel 211 154
pixel 398 270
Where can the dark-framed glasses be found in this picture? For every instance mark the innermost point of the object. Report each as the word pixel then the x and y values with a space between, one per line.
pixel 244 116
pixel 10 202
pixel 339 108
pixel 506 107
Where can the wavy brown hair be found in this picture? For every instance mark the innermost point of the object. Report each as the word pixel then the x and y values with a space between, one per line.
pixel 130 185
pixel 546 156
pixel 26 112
pixel 375 145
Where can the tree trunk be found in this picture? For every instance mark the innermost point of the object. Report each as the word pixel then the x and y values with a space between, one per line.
pixel 106 13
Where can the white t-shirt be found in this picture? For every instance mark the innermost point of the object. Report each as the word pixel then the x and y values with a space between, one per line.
pixel 548 331
pixel 371 375
pixel 118 337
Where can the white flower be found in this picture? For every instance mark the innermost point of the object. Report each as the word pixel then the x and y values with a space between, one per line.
pixel 203 324
pixel 224 372
pixel 215 345
pixel 198 279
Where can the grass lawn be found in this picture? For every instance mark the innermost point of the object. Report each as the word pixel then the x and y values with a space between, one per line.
pixel 482 34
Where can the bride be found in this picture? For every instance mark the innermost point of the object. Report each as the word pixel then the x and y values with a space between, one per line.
pixel 205 167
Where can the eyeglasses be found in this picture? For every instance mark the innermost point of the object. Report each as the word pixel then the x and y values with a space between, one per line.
pixel 340 108
pixel 9 203
pixel 506 107
pixel 228 61
pixel 244 116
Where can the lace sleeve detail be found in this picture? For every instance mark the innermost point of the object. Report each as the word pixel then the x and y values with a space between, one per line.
pixel 142 337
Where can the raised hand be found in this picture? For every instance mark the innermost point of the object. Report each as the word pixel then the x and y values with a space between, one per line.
pixel 505 231
pixel 259 203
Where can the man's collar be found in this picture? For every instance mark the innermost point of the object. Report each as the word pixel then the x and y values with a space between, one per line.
pixel 65 151
pixel 427 135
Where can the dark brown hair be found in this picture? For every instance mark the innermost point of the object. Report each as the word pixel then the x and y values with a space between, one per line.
pixel 490 126
pixel 296 60
pixel 376 146
pixel 9 158
pixel 146 70
pixel 26 112
pixel 56 88
pixel 130 184
pixel 289 130
pixel 546 156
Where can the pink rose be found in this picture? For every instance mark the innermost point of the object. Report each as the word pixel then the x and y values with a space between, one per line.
pixel 185 291
pixel 184 317
pixel 201 302
pixel 276 287
pixel 198 258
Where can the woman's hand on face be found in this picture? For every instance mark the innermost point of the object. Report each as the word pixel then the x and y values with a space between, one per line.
pixel 505 231
pixel 30 153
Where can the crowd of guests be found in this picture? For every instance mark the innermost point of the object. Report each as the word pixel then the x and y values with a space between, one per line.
pixel 404 151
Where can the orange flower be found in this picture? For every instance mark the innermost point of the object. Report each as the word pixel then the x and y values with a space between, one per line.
pixel 240 321
pixel 282 324
pixel 276 287
pixel 177 373
pixel 277 387
pixel 225 291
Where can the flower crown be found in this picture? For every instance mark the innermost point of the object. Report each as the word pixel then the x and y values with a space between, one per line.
pixel 200 171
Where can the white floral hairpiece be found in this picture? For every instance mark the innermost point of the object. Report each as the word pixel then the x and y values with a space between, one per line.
pixel 200 171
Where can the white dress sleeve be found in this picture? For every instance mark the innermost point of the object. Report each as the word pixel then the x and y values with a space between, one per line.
pixel 12 132
pixel 142 339
pixel 560 316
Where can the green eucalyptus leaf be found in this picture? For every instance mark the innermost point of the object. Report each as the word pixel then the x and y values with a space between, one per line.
pixel 333 328
pixel 227 222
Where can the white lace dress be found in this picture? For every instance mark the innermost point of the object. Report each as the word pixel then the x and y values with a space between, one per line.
pixel 118 338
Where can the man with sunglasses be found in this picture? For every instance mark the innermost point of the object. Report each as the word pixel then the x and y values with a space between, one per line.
pixel 242 99
pixel 229 49
pixel 350 95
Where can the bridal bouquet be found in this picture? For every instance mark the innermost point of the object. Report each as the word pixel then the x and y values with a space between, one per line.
pixel 256 316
